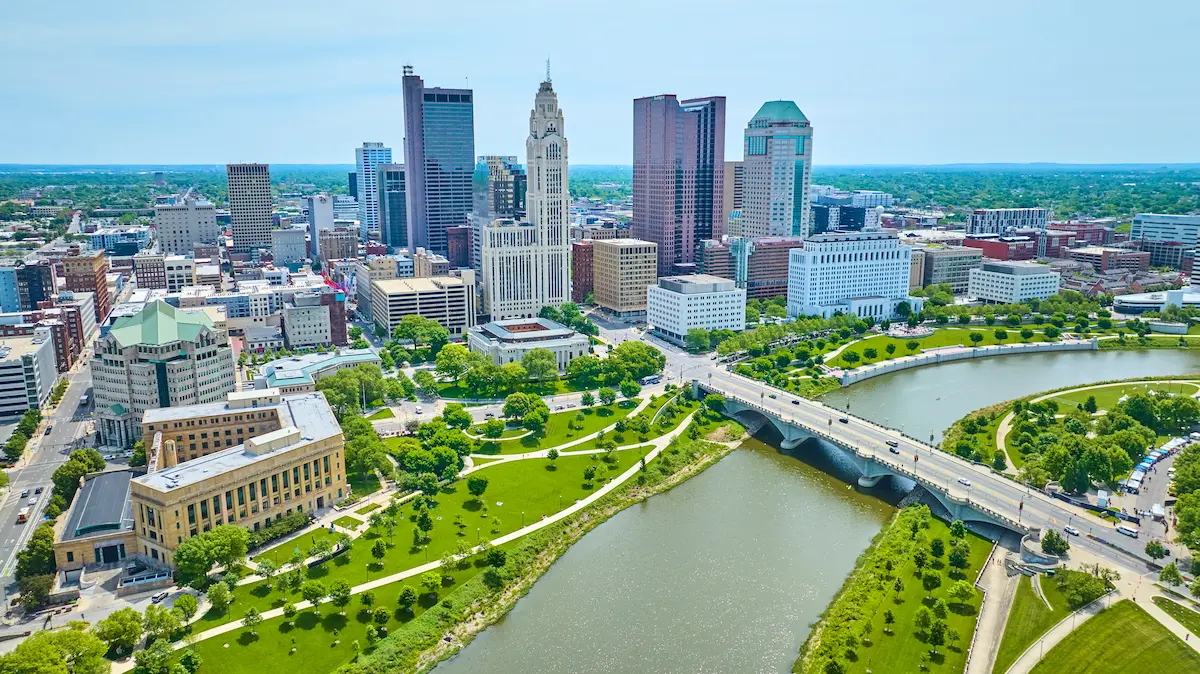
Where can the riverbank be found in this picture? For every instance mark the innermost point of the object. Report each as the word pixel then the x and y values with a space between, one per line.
pixel 440 633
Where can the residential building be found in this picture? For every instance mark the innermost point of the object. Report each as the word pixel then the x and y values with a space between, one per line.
pixel 367 160
pixel 458 247
pixel 760 266
pixel 439 159
pixel 1088 233
pixel 1003 247
pixel 449 300
pixel 862 274
pixel 622 269
pixel 288 246
pixel 507 341
pixel 98 526
pixel 1000 220
pixel 70 324
pixel 778 168
pixel 1103 259
pixel 393 205
pixel 28 371
pixel 300 374
pixel 427 264
pixel 678 174
pixel 249 205
pixel 306 322
pixel 182 499
pixel 320 216
pixel 1012 282
pixel 87 272
pixel 734 186
pixel 951 265
pixel 681 303
pixel 581 271
pixel 179 271
pixel 182 223
pixel 159 357
pixel 1155 227
pixel 338 243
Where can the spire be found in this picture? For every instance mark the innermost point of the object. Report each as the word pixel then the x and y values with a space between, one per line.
pixel 548 71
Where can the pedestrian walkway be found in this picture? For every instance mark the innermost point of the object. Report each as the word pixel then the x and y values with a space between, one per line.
pixel 1000 587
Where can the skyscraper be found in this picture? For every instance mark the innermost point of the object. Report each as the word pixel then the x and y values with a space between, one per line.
pixel 320 216
pixel 182 223
pixel 776 170
pixel 678 174
pixel 439 159
pixel 366 159
pixel 249 205
pixel 393 208
pixel 734 190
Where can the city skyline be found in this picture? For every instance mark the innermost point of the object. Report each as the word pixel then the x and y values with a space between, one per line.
pixel 966 84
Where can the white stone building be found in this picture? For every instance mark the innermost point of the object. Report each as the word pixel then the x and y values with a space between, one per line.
pixel 27 371
pixel 320 216
pixel 182 223
pixel 1012 282
pixel 508 341
pixel 680 303
pixel 865 274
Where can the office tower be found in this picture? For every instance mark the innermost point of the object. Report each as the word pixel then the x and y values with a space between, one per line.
pixel 87 271
pixel 581 271
pixel 439 159
pixel 427 264
pixel 338 243
pixel 393 208
pixel 183 223
pixel 733 190
pixel 547 201
pixel 777 168
pixel 678 174
pixel 507 184
pixel 458 246
pixel 1153 227
pixel 367 160
pixel 863 274
pixel 249 205
pixel 25 285
pixel 1000 220
pixel 288 246
pixel 622 269
pixel 320 216
pixel 523 269
pixel 352 179
pixel 449 300
pixel 761 265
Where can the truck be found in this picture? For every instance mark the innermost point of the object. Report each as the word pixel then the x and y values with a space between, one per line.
pixel 23 515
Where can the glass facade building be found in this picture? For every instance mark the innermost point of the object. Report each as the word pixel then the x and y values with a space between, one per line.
pixel 393 206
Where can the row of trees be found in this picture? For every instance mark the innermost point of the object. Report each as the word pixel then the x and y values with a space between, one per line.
pixel 15 447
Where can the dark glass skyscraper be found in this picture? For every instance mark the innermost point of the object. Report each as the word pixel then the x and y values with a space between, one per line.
pixel 393 206
pixel 439 159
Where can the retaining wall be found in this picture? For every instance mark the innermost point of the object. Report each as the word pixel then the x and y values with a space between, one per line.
pixel 948 355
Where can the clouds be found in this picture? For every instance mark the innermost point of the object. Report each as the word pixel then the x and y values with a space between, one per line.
pixel 307 81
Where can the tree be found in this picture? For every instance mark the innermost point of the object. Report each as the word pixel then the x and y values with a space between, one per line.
pixel 408 597
pixel 476 485
pixel 1156 550
pixel 870 353
pixel 219 596
pixel 1026 334
pixel 536 419
pixel 431 581
pixel 121 630
pixel 187 605
pixel 313 592
pixel 37 558
pixel 960 554
pixel 1170 575
pixel 630 388
pixel 937 634
pixel 379 551
pixel 931 580
pixel 851 356
pixel 155 659
pixel 976 338
pixel 937 547
pixel 962 591
pixel 451 362
pixel 1000 335
pixel 697 339
pixel 425 383
pixel 517 405
pixel 890 348
pixel 1089 405
pixel 493 428
pixel 458 417
pixel 923 618
pixel 912 345
pixel 607 395
pixel 920 559
pixel 552 455
pixel 339 592
pixel 958 529
pixel 540 364
pixel 251 620
pixel 35 590
pixel 1053 543
pixel 898 586
pixel 587 399
pixel 161 622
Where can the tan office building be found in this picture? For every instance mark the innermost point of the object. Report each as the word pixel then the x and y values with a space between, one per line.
pixel 622 269
pixel 449 300
pixel 298 467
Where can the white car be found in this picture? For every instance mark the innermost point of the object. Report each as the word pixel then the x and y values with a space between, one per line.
pixel 964 482
pixel 420 410
pixel 1071 530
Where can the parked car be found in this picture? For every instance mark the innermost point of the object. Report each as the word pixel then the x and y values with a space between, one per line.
pixel 489 415
pixel 159 597
pixel 420 410
pixel 49 427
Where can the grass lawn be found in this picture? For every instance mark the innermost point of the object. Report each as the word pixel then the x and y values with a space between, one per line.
pixel 1122 639
pixel 940 338
pixel 313 635
pixel 1160 342
pixel 683 404
pixel 1108 396
pixel 281 553
pixel 363 483
pixel 516 487
pixel 1029 619
pixel 1183 615
pixel 508 432
pixel 452 390
pixel 348 522
pixel 557 430
pixel 368 508
pixel 385 413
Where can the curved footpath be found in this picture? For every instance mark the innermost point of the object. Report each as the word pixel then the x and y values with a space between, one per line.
pixel 658 445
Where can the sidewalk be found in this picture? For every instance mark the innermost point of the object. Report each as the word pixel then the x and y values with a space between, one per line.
pixel 1000 589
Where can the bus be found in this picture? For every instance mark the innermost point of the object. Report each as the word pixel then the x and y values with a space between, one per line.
pixel 651 379
pixel 1128 531
pixel 23 515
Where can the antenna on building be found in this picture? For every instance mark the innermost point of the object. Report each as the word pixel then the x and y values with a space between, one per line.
pixel 408 69
pixel 548 70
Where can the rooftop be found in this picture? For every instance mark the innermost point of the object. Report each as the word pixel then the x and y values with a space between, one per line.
pixel 780 111
pixel 305 418
pixel 524 329
pixel 1100 250
pixel 295 370
pixel 15 347
pixel 416 285
pixel 158 324
pixel 102 505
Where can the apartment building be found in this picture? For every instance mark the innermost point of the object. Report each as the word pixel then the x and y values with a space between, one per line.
pixel 338 243
pixel 622 269
pixel 288 246
pixel 1000 220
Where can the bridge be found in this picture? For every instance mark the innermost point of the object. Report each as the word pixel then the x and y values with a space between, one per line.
pixel 969 491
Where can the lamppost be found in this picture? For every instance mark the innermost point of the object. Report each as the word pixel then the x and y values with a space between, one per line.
pixel 522 519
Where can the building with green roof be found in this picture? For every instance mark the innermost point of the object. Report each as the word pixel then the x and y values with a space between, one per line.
pixel 776 172
pixel 158 357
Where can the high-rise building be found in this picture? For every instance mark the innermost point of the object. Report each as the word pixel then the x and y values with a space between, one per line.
pixel 715 259
pixel 352 180
pixel 87 271
pixel 320 216
pixel 622 269
pixel 581 271
pixel 393 205
pixel 249 205
pixel 761 265
pixel 338 243
pixel 862 274
pixel 458 246
pixel 523 271
pixel 439 159
pixel 27 371
pixel 678 174
pixel 1154 227
pixel 734 190
pixel 288 246
pixel 24 285
pixel 498 190
pixel 1000 220
pixel 777 166
pixel 183 223
pixel 367 160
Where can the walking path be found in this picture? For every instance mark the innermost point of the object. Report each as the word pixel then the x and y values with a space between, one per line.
pixel 541 453
pixel 1000 586
pixel 658 443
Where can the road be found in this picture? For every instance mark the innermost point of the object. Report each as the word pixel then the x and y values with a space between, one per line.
pixel 935 468
pixel 68 430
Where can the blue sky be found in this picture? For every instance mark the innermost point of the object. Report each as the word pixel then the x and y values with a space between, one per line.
pixel 923 81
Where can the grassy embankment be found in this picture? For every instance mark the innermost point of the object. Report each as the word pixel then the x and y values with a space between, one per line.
pixel 1028 619
pixel 1120 640
pixel 563 427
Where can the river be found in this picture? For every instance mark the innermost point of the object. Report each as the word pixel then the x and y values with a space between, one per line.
pixel 726 572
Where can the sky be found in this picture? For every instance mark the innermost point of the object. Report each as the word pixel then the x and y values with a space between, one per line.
pixel 883 82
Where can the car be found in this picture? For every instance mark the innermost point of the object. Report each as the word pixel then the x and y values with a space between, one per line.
pixel 795 402
pixel 489 415
pixel 713 358
pixel 894 450
pixel 420 410
pixel 844 420
pixel 49 427
pixel 1071 530
pixel 159 597
pixel 892 443
pixel 24 493
pixel 38 490
pixel 128 454
pixel 964 482
pixel 772 396
pixel 32 501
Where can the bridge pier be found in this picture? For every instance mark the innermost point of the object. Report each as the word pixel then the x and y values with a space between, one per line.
pixel 871 481
pixel 791 443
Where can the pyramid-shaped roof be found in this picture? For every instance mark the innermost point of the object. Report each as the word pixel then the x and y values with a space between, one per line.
pixel 158 324
pixel 780 111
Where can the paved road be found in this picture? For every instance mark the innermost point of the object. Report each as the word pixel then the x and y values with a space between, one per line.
pixel 934 468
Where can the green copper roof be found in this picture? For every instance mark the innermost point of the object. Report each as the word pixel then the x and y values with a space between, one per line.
pixel 159 324
pixel 780 111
